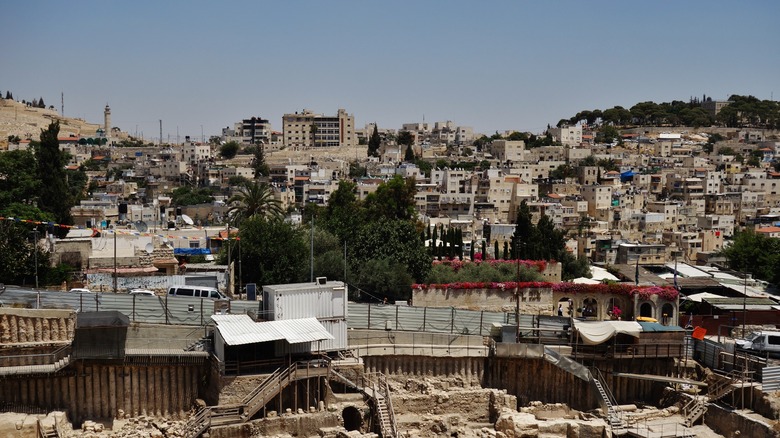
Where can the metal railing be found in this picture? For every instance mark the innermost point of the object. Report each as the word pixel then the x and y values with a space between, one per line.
pixel 36 359
pixel 638 350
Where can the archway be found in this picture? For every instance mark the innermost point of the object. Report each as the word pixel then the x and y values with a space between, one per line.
pixel 590 308
pixel 353 419
pixel 616 308
pixel 646 310
pixel 565 307
pixel 667 314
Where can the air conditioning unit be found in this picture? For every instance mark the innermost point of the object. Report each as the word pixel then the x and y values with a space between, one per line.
pixel 322 280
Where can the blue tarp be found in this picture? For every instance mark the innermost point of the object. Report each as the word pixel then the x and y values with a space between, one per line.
pixel 191 251
pixel 627 176
pixel 656 327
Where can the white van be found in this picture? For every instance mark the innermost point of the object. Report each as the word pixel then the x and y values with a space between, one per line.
pixel 192 291
pixel 762 342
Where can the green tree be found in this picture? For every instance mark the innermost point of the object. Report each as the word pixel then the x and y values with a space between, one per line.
pixel 374 142
pixel 391 239
pixel 409 154
pixel 18 182
pixel 54 194
pixel 590 160
pixel 405 138
pixel 258 161
pixel 229 150
pixel 17 259
pixel 754 253
pixel 254 199
pixel 272 252
pixel 344 213
pixel 356 170
pixel 393 199
pixel 186 195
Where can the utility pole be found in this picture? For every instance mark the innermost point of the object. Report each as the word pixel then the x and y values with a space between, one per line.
pixel 115 258
pixel 35 251
pixel 517 291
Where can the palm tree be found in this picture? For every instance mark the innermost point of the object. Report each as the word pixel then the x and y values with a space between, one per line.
pixel 254 199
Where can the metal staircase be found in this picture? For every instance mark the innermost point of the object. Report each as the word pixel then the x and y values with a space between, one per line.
pixel 697 407
pixel 614 414
pixel 257 399
pixel 375 387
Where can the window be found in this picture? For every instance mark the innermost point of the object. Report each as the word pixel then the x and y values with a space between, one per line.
pixel 185 292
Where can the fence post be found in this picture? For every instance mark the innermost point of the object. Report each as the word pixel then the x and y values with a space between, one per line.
pixel 369 316
pixel 425 313
pixel 396 317
pixel 481 316
pixel 452 321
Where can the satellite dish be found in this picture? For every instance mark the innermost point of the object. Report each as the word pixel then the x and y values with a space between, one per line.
pixel 187 220
pixel 141 226
pixel 149 248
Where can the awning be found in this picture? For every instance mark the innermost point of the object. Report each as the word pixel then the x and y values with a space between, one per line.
pixel 241 330
pixel 598 332
pixel 191 251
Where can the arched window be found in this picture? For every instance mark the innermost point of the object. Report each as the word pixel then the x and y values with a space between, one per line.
pixel 646 310
pixel 616 308
pixel 589 307
pixel 565 307
pixel 667 314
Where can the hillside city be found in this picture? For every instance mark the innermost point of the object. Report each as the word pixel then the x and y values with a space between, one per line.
pixel 417 280
pixel 621 186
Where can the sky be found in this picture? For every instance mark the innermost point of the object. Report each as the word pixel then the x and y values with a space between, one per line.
pixel 200 66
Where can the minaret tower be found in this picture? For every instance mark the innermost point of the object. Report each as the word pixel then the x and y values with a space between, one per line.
pixel 107 120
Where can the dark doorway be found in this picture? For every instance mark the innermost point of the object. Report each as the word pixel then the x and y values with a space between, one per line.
pixel 353 419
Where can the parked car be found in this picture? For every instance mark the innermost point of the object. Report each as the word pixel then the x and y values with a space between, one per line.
pixel 764 342
pixel 191 291
pixel 80 290
pixel 145 292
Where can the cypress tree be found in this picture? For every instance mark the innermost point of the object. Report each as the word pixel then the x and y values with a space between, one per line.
pixel 495 249
pixel 506 251
pixel 54 194
pixel 374 142
pixel 409 154
pixel 484 250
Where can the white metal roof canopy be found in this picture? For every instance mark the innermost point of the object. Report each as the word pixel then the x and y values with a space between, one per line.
pixel 241 330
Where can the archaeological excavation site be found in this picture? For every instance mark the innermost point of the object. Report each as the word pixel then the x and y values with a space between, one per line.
pixel 392 371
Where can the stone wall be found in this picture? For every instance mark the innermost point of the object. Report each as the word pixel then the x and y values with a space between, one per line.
pixel 99 391
pixel 533 379
pixel 533 301
pixel 732 423
pixel 465 371
pixel 19 326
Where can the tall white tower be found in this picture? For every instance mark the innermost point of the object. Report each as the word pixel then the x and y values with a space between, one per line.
pixel 107 121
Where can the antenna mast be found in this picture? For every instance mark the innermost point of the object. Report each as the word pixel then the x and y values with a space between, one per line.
pixel 160 132
pixel 62 104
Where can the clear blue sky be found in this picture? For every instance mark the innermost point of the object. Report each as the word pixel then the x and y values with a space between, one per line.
pixel 495 66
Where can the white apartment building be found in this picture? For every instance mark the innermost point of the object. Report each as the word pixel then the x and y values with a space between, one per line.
pixel 598 198
pixel 568 135
pixel 193 153
pixel 505 150
pixel 229 172
pixel 307 130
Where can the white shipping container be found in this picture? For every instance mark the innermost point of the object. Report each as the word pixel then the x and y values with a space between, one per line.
pixel 323 300
pixel 336 327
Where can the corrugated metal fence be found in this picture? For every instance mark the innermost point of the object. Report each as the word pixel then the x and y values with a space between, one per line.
pixel 770 379
pixel 425 319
